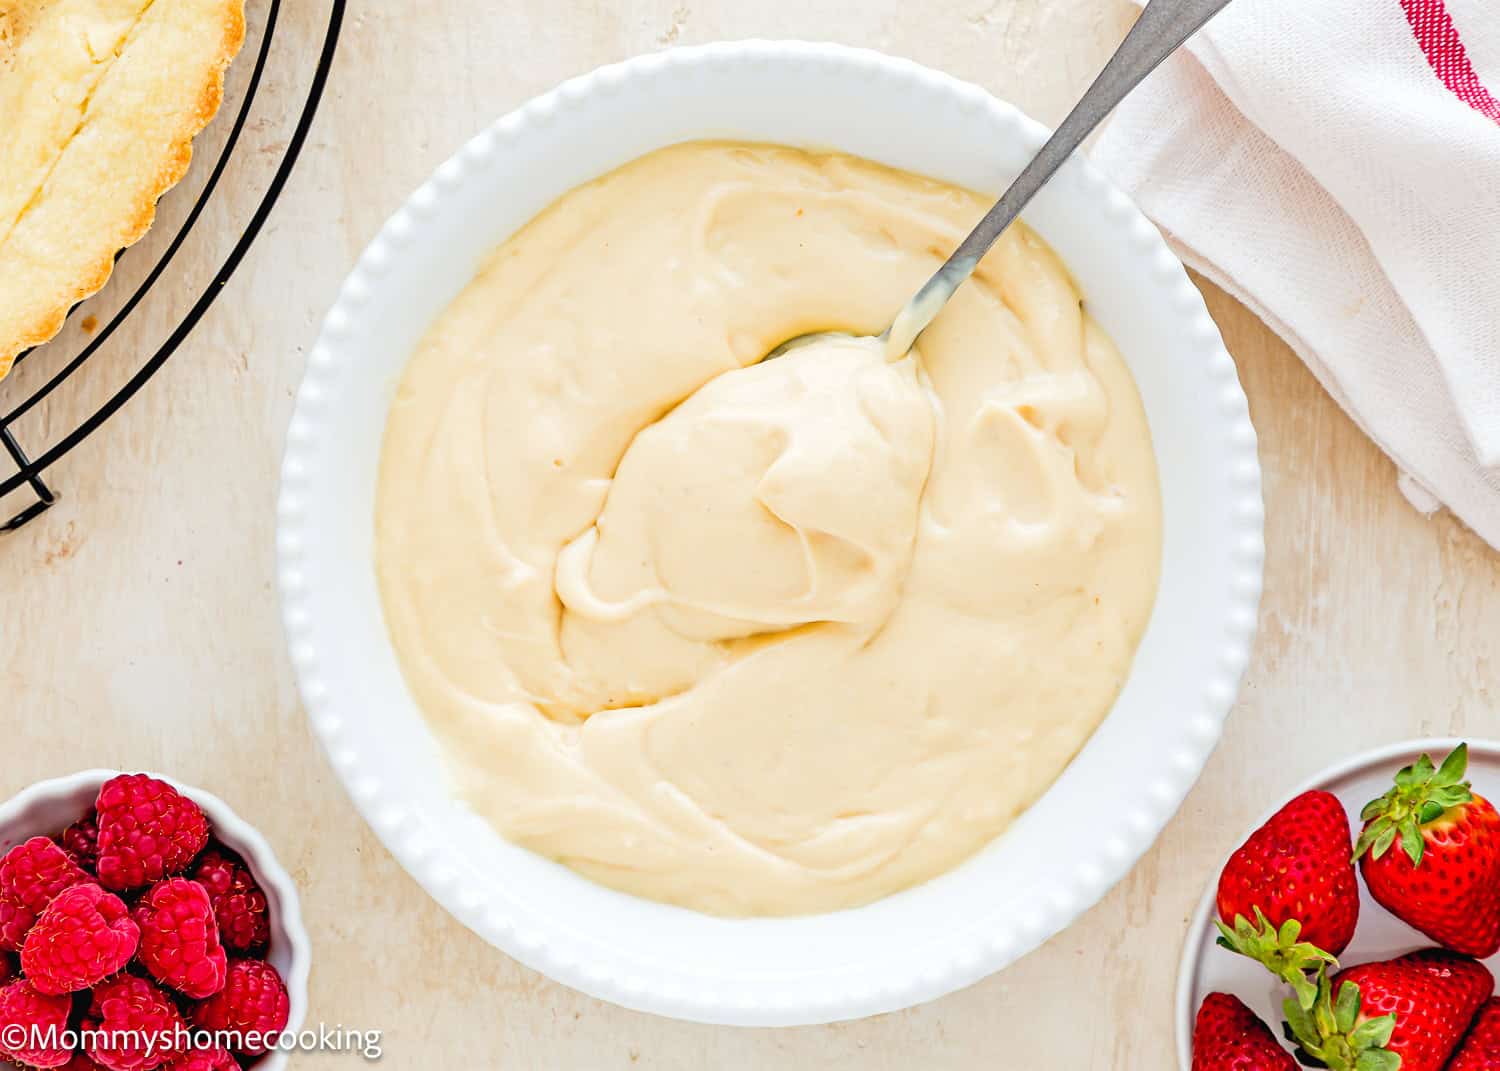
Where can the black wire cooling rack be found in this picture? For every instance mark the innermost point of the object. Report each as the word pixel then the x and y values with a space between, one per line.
pixel 32 433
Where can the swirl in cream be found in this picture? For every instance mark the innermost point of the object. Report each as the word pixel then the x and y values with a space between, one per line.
pixel 775 637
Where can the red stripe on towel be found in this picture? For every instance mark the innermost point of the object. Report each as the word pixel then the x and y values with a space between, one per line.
pixel 1433 25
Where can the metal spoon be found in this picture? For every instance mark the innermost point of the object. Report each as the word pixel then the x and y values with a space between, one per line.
pixel 1162 28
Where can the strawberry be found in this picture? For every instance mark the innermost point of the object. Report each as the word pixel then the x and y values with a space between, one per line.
pixel 1288 898
pixel 1408 1013
pixel 1445 880
pixel 1228 1037
pixel 1481 1049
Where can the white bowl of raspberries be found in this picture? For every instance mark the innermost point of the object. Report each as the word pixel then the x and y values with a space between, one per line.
pixel 143 927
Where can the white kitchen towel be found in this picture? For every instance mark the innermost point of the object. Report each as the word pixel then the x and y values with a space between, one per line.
pixel 1335 164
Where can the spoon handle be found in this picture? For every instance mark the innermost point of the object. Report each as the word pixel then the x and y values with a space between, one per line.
pixel 1161 29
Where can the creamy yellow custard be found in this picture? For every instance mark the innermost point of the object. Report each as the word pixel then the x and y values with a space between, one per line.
pixel 762 638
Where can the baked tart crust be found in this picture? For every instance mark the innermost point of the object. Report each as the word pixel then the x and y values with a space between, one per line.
pixel 99 103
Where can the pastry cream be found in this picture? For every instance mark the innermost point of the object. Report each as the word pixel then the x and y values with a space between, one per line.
pixel 758 637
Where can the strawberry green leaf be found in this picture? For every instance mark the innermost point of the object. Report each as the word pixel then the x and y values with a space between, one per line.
pixel 1422 795
pixel 1307 1060
pixel 1324 1012
pixel 1452 795
pixel 1454 766
pixel 1346 1007
pixel 1384 841
pixel 1300 1023
pixel 1306 992
pixel 1279 951
pixel 1378 1060
pixel 1374 1033
pixel 1370 836
pixel 1330 1033
pixel 1411 842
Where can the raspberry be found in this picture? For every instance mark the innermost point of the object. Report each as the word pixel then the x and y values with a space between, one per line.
pixel 83 937
pixel 127 1010
pixel 147 831
pixel 239 904
pixel 180 939
pixel 81 841
pixel 21 1005
pixel 31 874
pixel 80 1062
pixel 205 1060
pixel 253 1004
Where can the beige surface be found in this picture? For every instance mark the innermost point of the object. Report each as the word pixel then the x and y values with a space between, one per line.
pixel 139 621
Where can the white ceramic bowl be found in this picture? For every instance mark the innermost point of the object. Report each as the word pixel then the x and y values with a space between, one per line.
pixel 1061 856
pixel 1356 781
pixel 48 807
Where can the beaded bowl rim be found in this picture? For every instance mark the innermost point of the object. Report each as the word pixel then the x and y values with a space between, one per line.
pixel 325 665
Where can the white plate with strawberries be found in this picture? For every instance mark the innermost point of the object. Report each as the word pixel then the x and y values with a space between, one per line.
pixel 1414 925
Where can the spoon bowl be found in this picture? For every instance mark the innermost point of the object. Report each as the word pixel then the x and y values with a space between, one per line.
pixel 1075 842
